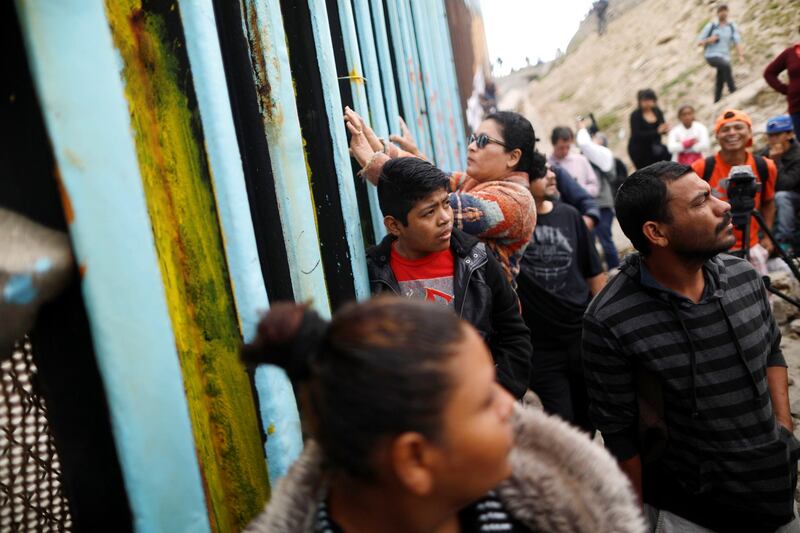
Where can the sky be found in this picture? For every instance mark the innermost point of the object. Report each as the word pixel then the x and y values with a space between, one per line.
pixel 533 28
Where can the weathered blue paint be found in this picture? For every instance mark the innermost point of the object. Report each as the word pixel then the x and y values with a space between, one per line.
pixel 341 153
pixel 296 209
pixel 358 88
pixel 42 265
pixel 19 289
pixel 432 89
pixel 384 60
pixel 421 102
pixel 77 77
pixel 276 398
pixel 404 71
pixel 444 48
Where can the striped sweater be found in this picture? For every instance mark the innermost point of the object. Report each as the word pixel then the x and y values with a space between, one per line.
pixel 655 359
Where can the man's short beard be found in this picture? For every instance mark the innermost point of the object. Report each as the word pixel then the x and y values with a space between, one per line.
pixel 552 197
pixel 703 255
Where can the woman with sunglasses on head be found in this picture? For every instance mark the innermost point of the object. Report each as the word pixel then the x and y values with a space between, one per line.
pixel 411 433
pixel 491 199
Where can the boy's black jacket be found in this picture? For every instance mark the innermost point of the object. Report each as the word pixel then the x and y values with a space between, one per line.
pixel 483 297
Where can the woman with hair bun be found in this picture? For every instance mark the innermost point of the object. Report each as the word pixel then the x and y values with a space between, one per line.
pixel 410 432
pixel 491 200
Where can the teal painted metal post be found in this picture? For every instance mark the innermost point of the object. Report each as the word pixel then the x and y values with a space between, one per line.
pixel 276 400
pixel 456 115
pixel 357 86
pixel 369 58
pixel 384 61
pixel 430 81
pixel 333 108
pixel 296 209
pixel 405 73
pixel 420 101
pixel 282 129
pixel 76 71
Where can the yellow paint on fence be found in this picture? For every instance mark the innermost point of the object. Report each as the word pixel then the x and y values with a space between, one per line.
pixel 182 212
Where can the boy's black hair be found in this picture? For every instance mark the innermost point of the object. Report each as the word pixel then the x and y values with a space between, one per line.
pixel 404 181
pixel 643 196
pixel 561 133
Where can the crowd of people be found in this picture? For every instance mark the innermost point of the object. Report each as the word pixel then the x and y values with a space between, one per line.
pixel 490 285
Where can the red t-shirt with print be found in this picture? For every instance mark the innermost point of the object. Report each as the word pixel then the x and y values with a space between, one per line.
pixel 429 278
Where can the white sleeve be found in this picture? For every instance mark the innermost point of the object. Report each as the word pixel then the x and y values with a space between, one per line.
pixel 595 153
pixel 703 144
pixel 674 142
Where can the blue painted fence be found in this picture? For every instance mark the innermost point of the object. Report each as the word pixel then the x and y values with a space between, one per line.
pixel 399 62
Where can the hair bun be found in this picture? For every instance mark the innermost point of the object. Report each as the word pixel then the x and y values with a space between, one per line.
pixel 289 336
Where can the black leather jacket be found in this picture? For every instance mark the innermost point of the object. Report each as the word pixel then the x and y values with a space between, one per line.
pixel 483 297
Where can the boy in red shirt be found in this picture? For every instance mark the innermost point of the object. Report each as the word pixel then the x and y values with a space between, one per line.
pixel 734 133
pixel 425 257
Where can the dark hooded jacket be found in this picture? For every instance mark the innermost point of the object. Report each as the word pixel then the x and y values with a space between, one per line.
pixel 483 297
pixel 684 386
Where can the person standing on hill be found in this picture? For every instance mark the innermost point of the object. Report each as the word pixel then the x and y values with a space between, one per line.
pixel 717 39
pixel 788 60
pixel 647 127
pixel 600 7
pixel 688 141
pixel 594 148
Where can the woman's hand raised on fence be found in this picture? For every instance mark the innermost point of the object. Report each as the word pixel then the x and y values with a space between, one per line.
pixel 405 141
pixel 360 147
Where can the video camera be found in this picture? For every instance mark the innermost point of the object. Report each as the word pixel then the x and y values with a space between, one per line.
pixel 741 186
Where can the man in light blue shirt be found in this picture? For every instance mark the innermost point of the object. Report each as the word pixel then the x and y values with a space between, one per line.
pixel 718 38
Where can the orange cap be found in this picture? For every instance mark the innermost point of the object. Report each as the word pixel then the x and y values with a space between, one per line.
pixel 732 115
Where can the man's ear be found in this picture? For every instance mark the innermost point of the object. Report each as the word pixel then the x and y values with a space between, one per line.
pixel 655 232
pixel 413 459
pixel 513 157
pixel 393 226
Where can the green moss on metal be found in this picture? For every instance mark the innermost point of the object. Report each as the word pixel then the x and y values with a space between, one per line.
pixel 183 215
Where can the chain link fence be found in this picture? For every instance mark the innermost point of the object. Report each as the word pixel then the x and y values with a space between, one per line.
pixel 31 498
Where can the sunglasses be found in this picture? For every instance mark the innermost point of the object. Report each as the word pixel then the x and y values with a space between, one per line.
pixel 482 140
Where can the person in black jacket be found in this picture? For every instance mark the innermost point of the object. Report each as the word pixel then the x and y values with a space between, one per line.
pixel 425 257
pixel 559 274
pixel 647 127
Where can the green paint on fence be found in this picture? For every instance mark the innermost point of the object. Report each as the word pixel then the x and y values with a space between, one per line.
pixel 182 210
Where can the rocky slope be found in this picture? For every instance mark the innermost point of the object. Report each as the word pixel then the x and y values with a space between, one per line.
pixel 651 43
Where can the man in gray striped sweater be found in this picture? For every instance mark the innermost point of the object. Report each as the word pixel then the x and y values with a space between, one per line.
pixel 683 366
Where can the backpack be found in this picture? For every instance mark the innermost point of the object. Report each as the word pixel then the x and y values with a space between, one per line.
pixel 761 169
pixel 714 26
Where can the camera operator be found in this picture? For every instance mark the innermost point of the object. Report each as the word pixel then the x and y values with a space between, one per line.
pixel 734 131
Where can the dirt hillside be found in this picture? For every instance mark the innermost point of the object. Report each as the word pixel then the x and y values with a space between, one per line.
pixel 651 43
